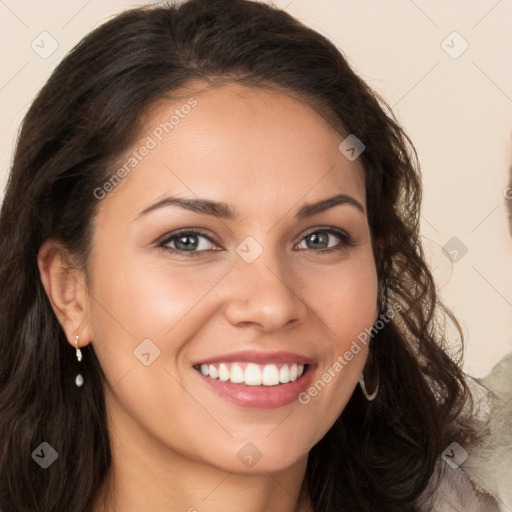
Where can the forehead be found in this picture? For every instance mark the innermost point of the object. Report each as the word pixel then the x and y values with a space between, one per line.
pixel 246 146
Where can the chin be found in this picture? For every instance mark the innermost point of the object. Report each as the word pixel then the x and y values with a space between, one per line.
pixel 259 455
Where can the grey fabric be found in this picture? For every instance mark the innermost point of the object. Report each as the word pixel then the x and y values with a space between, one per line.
pixel 482 482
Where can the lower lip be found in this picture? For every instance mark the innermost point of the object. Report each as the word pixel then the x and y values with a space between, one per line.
pixel 263 397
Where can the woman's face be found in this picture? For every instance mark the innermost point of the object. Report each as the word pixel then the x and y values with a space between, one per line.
pixel 251 297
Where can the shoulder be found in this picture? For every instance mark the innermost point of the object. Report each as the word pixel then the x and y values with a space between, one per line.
pixel 480 480
pixel 453 491
pixel 489 464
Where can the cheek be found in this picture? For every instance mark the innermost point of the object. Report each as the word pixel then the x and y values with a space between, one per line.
pixel 133 299
pixel 148 299
pixel 345 299
pixel 348 311
pixel 138 308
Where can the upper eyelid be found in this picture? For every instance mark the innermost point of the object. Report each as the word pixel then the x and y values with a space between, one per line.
pixel 323 228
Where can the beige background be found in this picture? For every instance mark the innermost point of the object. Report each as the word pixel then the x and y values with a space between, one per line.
pixel 454 102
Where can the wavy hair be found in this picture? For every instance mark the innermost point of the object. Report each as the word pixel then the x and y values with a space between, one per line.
pixel 378 455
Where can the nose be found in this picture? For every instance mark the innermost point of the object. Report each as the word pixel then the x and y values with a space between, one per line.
pixel 264 293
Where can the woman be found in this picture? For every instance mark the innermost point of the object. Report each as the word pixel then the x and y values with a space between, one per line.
pixel 213 290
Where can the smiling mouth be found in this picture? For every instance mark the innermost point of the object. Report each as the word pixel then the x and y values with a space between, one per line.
pixel 252 374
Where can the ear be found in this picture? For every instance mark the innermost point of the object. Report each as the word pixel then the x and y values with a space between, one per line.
pixel 66 289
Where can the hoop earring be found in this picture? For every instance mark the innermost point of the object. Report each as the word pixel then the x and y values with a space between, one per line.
pixel 373 395
pixel 79 380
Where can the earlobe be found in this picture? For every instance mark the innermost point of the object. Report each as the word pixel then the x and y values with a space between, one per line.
pixel 65 288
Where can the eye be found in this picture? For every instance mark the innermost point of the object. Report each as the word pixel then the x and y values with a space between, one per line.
pixel 320 238
pixel 187 243
pixel 192 242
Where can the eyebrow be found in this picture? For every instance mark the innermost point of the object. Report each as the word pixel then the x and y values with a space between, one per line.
pixel 224 211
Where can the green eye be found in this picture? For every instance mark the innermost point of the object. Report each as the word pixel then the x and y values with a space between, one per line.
pixel 188 243
pixel 192 242
pixel 320 238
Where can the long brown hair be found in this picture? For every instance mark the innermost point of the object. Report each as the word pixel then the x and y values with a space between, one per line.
pixel 378 455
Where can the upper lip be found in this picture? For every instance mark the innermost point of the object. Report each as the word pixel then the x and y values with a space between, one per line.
pixel 257 356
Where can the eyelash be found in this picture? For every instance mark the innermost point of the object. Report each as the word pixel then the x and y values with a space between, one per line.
pixel 346 240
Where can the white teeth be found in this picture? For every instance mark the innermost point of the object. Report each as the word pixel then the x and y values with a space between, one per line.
pixel 223 372
pixel 270 375
pixel 284 375
pixel 253 375
pixel 237 374
pixel 213 372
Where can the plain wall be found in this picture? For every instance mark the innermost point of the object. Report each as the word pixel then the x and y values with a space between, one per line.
pixel 444 67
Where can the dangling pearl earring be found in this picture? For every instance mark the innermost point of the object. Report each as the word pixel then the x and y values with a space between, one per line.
pixel 79 380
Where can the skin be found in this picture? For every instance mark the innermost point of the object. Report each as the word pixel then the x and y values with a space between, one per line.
pixel 174 441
